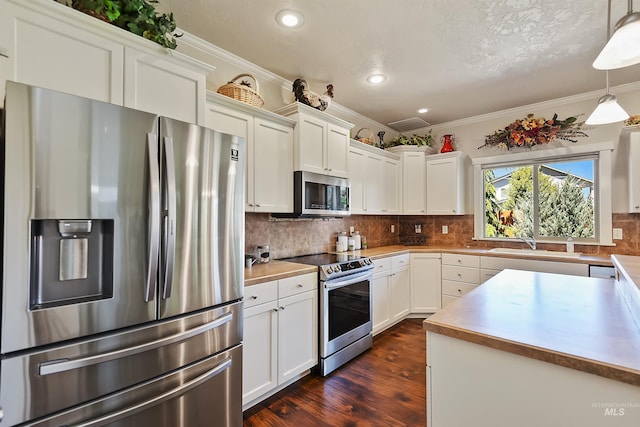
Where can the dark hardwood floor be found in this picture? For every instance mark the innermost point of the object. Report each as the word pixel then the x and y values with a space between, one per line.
pixel 385 386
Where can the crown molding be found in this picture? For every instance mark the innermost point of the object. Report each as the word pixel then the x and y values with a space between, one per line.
pixel 526 109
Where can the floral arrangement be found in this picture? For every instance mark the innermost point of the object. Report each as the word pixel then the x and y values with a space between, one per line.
pixel 633 120
pixel 414 139
pixel 532 131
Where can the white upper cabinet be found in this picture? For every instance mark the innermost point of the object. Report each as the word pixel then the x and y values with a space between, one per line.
pixel 634 172
pixel 321 140
pixel 414 183
pixel 47 44
pixel 446 175
pixel 162 87
pixel 46 49
pixel 269 137
pixel 375 176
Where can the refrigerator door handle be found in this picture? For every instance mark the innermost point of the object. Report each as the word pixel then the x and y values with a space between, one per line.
pixel 154 217
pixel 170 217
pixel 63 365
pixel 178 391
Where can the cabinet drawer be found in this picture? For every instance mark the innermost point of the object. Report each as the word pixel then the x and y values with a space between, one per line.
pixel 399 262
pixel 456 289
pixel 447 299
pixel 297 284
pixel 461 260
pixel 382 264
pixel 260 293
pixel 461 274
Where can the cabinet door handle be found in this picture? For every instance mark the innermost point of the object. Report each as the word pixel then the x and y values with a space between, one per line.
pixel 250 204
pixel 275 309
pixel 281 308
pixel 254 296
pixel 298 285
pixel 257 205
pixel 459 291
pixel 453 210
pixel 459 275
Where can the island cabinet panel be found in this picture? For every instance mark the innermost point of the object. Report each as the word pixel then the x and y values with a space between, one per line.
pixel 500 263
pixel 524 392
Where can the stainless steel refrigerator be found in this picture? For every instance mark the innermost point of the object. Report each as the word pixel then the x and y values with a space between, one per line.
pixel 122 266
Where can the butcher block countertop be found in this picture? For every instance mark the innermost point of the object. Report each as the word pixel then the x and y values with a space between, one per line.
pixel 576 322
pixel 385 251
pixel 275 270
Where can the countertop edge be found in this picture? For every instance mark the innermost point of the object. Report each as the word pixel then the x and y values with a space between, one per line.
pixel 590 366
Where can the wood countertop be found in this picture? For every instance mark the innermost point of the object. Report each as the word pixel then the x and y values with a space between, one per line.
pixel 275 270
pixel 578 322
pixel 385 251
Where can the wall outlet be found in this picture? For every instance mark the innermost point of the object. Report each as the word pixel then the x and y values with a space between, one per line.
pixel 445 229
pixel 393 228
pixel 352 229
pixel 617 234
pixel 418 228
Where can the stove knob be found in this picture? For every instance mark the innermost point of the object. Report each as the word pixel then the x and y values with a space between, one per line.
pixel 328 270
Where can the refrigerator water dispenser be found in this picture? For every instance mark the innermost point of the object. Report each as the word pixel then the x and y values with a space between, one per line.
pixel 72 261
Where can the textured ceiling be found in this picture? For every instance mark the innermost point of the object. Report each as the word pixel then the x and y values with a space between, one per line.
pixel 458 58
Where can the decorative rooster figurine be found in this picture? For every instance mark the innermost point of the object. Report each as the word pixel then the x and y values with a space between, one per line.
pixel 304 95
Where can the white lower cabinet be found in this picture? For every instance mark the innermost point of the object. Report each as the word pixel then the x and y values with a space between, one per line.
pixel 280 334
pixel 391 291
pixel 426 283
pixel 460 274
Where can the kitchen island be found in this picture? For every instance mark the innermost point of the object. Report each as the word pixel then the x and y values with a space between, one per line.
pixel 531 349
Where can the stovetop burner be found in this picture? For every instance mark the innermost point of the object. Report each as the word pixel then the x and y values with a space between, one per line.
pixel 334 265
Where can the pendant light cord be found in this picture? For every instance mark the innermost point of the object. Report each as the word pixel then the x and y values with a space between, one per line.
pixel 606 72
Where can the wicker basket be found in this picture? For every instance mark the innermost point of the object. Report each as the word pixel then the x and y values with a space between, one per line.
pixel 242 92
pixel 368 139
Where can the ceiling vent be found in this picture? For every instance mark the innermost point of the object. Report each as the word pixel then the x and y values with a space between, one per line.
pixel 409 124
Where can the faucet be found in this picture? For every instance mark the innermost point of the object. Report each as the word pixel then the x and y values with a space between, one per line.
pixel 530 241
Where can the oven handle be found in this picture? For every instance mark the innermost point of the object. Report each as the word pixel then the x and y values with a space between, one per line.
pixel 348 280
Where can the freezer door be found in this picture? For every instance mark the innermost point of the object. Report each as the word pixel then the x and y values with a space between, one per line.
pixel 202 261
pixel 76 238
pixel 41 383
pixel 205 394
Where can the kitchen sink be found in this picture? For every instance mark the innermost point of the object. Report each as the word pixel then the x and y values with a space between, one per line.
pixel 534 252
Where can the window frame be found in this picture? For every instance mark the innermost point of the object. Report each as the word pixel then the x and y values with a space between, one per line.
pixel 603 189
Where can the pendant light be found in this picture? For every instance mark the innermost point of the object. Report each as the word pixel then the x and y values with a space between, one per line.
pixel 608 110
pixel 623 48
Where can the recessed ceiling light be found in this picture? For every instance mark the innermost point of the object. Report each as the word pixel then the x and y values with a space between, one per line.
pixel 376 78
pixel 290 18
pixel 423 110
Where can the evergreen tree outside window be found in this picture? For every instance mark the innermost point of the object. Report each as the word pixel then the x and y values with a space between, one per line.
pixel 548 200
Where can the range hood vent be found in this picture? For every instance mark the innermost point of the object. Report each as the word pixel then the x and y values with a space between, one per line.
pixel 408 124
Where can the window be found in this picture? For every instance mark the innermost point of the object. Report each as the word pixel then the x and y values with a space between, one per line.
pixel 549 195
pixel 551 200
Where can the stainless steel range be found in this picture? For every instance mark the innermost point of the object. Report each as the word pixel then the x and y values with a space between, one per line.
pixel 345 307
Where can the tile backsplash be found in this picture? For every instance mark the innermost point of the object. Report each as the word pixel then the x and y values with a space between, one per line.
pixel 305 236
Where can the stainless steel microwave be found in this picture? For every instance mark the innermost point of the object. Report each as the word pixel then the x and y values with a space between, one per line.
pixel 320 195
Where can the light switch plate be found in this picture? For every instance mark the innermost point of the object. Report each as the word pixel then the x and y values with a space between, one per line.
pixel 617 234
pixel 445 229
pixel 393 228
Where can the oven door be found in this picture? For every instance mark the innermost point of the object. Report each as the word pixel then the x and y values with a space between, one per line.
pixel 345 307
